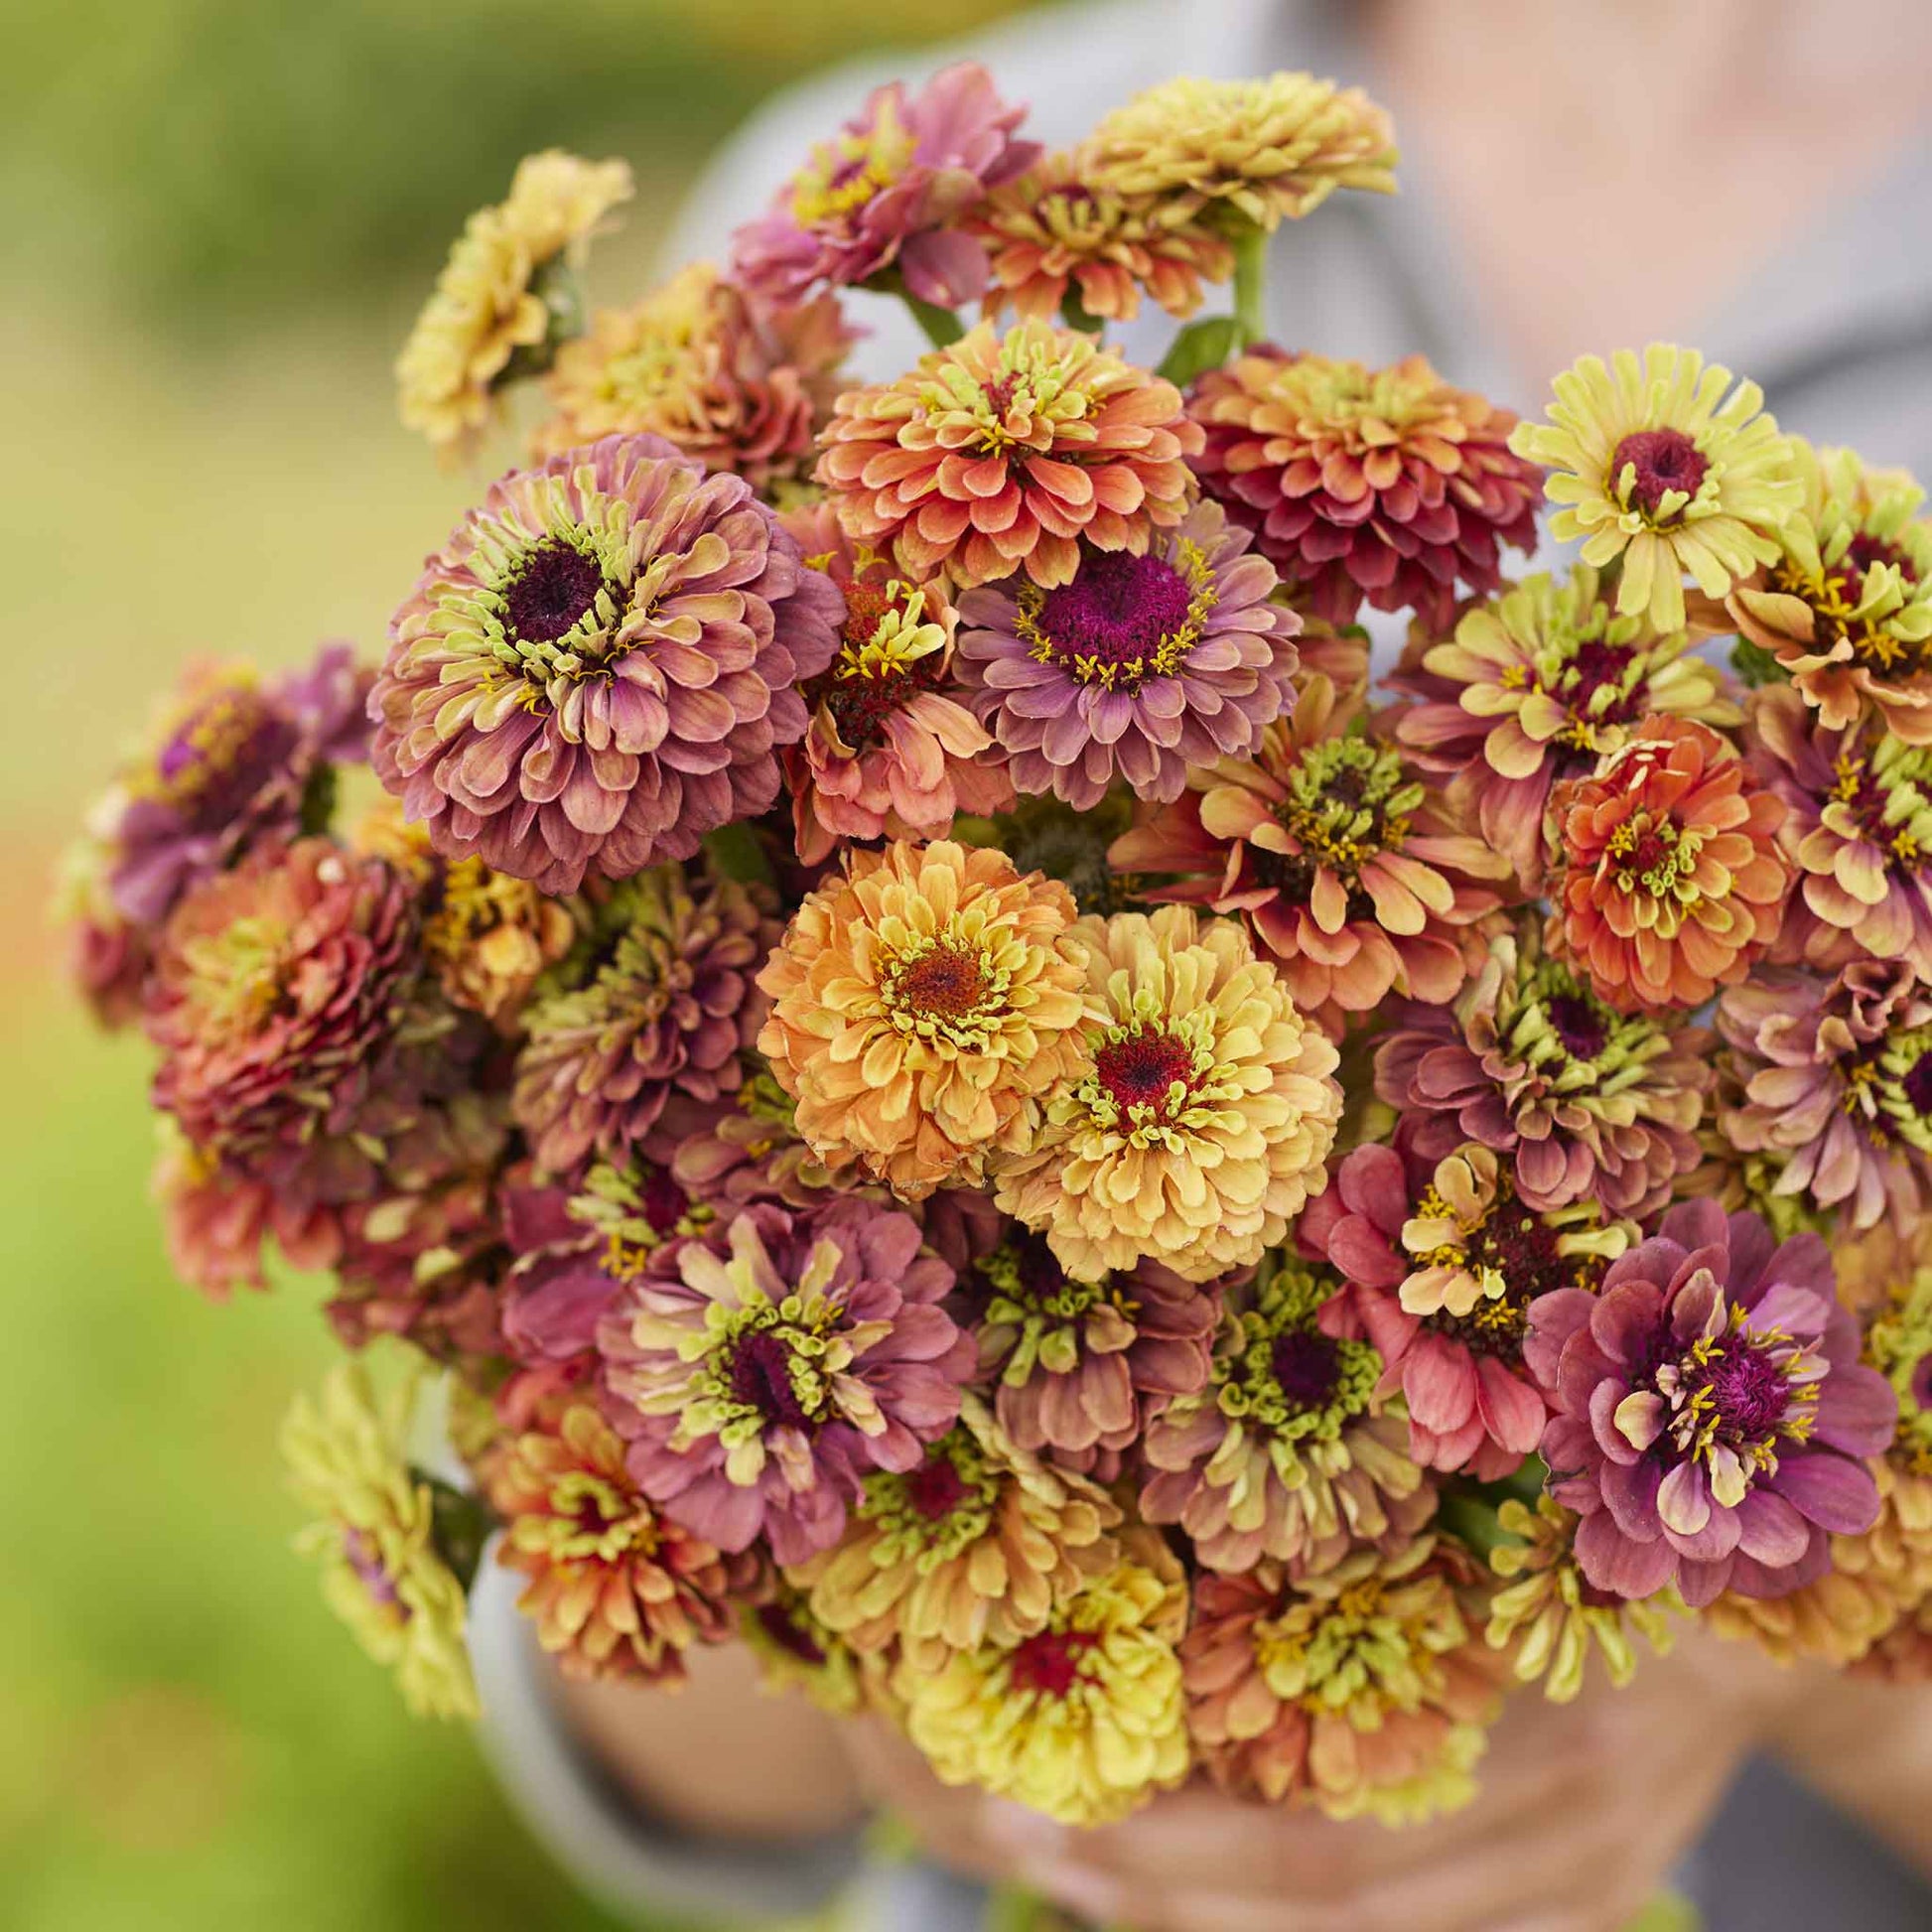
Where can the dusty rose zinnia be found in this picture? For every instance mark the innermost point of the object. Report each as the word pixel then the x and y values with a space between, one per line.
pixel 1349 870
pixel 1139 666
pixel 1587 1102
pixel 656 998
pixel 1533 688
pixel 1288 1452
pixel 1666 881
pixel 597 669
pixel 1442 1262
pixel 1076 1363
pixel 693 363
pixel 1837 1087
pixel 1387 485
pixel 763 1371
pixel 892 750
pixel 1856 835
pixel 884 194
pixel 1001 453
pixel 1711 1414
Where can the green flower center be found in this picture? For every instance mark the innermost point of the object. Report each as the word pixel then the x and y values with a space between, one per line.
pixel 934 1513
pixel 1580 1045
pixel 1280 1373
pixel 1037 1318
pixel 1347 802
pixel 1368 1648
pixel 1899 1346
pixel 1650 853
pixel 236 976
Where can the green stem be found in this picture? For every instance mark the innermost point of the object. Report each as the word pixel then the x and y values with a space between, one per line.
pixel 943 327
pixel 735 853
pixel 1251 286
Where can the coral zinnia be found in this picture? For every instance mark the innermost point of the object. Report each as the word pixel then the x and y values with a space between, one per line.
pixel 1001 451
pixel 923 1004
pixel 1711 1416
pixel 1666 881
pixel 1858 834
pixel 381 1571
pixel 1287 1453
pixel 892 750
pixel 656 998
pixel 1138 667
pixel 498 297
pixel 599 668
pixel 614 1590
pixel 1846 606
pixel 1346 868
pixel 693 364
pixel 763 1368
pixel 884 194
pixel 1533 688
pixel 1196 1119
pixel 1082 1719
pixel 1837 1087
pixel 1366 1690
pixel 1056 232
pixel 1243 151
pixel 1588 1102
pixel 1078 1363
pixel 978 1543
pixel 1381 483
pixel 1442 1262
pixel 1656 466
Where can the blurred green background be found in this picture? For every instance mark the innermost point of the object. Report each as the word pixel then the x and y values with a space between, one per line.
pixel 217 217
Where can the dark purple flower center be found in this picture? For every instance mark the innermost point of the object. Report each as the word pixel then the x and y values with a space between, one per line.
pixel 360 1553
pixel 784 1630
pixel 1049 1662
pixel 1109 623
pixel 1139 1071
pixel 1664 460
pixel 945 980
pixel 1306 1366
pixel 663 1201
pixel 556 586
pixel 1866 551
pixel 1579 1024
pixel 935 1488
pixel 760 1378
pixel 1917 1085
pixel 1920 1384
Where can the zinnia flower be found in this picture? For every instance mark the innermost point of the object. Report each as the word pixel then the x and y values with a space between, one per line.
pixel 794 1651
pixel 1197 1113
pixel 1534 688
pixel 500 300
pixel 1549 1618
pixel 1856 832
pixel 214 1221
pixel 694 364
pixel 614 1590
pixel 922 1004
pixel 1243 151
pixel 1000 453
pixel 886 192
pixel 1288 1452
pixel 1379 483
pixel 1837 1087
pixel 656 998
pixel 762 1369
pixel 1666 881
pixel 1656 466
pixel 1078 1364
pixel 1354 877
pixel 597 669
pixel 1138 667
pixel 1083 1719
pixel 1366 1690
pixel 1711 1416
pixel 381 1571
pixel 1846 606
pixel 1056 232
pixel 1587 1102
pixel 1442 1262
pixel 978 1543
pixel 892 750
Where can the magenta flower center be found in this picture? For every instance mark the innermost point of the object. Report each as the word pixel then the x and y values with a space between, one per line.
pixel 1921 1383
pixel 1050 1663
pixel 784 1630
pixel 1108 626
pixel 760 1378
pixel 360 1553
pixel 1665 459
pixel 554 589
pixel 1579 1024
pixel 664 1203
pixel 1140 1069
pixel 935 1488
pixel 1749 1393
pixel 221 755
pixel 1307 1364
pixel 1917 1085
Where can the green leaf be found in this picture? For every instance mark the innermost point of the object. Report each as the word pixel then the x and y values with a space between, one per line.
pixel 735 852
pixel 1203 344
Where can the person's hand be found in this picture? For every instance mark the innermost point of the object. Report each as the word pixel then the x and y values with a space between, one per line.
pixel 1583 1811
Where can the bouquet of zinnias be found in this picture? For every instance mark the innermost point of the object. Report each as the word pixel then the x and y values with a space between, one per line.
pixel 957 1097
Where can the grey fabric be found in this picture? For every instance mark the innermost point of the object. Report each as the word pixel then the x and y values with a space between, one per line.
pixel 1839 331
